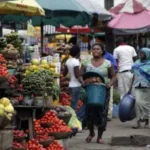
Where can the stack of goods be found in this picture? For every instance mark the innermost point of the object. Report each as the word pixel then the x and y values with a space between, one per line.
pixel 47 130
pixel 13 39
pixel 19 140
pixel 12 52
pixel 54 126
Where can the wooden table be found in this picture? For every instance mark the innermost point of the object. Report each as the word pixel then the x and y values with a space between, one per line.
pixel 27 113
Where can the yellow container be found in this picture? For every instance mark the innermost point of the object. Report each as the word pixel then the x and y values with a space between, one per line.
pixel 55 103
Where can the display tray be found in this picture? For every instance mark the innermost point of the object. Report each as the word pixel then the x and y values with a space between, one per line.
pixel 47 143
pixel 60 135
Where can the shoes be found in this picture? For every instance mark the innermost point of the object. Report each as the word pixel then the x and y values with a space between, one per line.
pixel 138 125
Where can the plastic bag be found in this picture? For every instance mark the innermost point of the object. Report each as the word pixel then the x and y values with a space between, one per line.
pixel 74 122
pixel 115 111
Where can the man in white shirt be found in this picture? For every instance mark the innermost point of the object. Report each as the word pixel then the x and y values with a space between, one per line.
pixel 125 56
pixel 73 68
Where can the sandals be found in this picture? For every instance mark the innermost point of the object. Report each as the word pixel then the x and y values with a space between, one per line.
pixel 89 138
pixel 100 141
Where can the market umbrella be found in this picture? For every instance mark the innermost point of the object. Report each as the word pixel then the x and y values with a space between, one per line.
pixel 66 12
pixel 94 6
pixel 131 17
pixel 76 29
pixel 27 7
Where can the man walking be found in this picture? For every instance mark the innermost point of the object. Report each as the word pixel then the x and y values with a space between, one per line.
pixel 125 56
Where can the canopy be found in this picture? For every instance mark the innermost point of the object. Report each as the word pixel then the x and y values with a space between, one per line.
pixel 26 7
pixel 131 15
pixel 76 29
pixel 66 12
pixel 94 7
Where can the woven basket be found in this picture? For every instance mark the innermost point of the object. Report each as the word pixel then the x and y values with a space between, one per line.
pixel 20 139
pixel 46 125
pixel 18 148
pixel 66 119
pixel 60 135
pixel 47 143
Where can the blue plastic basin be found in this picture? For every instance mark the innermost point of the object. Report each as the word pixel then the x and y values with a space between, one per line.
pixel 127 108
pixel 96 94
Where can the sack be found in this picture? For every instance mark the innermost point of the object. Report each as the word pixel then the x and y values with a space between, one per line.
pixel 115 111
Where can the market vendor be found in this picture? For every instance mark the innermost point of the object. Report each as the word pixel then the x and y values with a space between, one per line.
pixel 72 67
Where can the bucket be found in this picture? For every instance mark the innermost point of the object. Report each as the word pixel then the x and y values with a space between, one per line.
pixel 96 94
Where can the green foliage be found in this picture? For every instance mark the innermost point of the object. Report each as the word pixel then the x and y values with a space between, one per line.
pixel 116 97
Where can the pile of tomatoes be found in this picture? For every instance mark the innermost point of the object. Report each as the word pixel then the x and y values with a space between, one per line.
pixel 34 145
pixel 4 71
pixel 57 124
pixel 38 128
pixel 65 99
pixel 55 146
pixel 58 128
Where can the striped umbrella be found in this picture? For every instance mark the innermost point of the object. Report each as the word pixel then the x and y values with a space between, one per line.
pixel 131 16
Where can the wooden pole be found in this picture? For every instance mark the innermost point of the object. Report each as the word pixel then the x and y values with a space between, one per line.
pixel 109 37
pixel 42 36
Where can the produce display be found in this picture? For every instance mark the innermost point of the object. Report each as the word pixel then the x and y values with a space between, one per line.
pixel 19 134
pixel 55 146
pixel 6 108
pixel 13 39
pixel 40 65
pixel 65 99
pixel 4 74
pixel 39 130
pixel 17 145
pixel 34 145
pixel 37 83
pixel 61 111
pixel 29 85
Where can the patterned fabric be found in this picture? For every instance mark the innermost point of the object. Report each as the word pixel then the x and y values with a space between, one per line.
pixel 102 69
pixel 141 70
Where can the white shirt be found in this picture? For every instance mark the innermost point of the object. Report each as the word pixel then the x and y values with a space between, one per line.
pixel 124 54
pixel 71 63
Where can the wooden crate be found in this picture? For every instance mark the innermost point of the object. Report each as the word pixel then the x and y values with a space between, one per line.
pixel 6 139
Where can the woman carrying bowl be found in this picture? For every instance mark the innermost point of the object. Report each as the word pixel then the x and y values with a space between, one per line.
pixel 97 115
